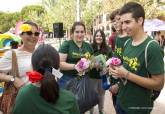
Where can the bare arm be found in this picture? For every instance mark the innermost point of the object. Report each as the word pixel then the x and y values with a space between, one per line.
pixel 4 77
pixel 63 64
pixel 156 82
pixel 7 78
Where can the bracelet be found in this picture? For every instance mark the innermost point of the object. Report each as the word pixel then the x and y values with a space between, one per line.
pixel 74 67
pixel 126 76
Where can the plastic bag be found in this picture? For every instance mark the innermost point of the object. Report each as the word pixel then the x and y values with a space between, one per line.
pixel 84 92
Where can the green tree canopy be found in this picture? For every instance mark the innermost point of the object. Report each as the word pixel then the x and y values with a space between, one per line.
pixel 35 13
pixel 8 20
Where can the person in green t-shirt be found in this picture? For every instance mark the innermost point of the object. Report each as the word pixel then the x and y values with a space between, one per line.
pixel 71 52
pixel 120 40
pixel 43 95
pixel 134 97
pixel 121 37
pixel 100 47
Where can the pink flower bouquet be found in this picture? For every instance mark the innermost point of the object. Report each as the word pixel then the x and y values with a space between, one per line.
pixel 82 65
pixel 113 61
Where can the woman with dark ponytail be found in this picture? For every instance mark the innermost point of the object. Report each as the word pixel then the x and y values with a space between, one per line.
pixel 43 95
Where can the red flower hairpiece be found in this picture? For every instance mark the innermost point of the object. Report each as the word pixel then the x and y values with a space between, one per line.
pixel 34 76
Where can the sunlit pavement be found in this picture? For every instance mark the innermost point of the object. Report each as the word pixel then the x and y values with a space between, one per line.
pixel 108 105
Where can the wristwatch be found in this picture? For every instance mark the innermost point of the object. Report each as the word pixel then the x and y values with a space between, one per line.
pixel 12 79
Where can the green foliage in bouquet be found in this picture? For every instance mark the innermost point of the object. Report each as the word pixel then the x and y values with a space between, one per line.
pixel 101 59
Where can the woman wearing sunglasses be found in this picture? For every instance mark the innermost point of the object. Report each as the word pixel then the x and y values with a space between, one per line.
pixel 29 35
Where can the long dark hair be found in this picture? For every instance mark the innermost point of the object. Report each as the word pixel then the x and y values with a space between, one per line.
pixel 103 47
pixel 43 59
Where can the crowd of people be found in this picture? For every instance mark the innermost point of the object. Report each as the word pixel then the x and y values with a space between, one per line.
pixel 42 89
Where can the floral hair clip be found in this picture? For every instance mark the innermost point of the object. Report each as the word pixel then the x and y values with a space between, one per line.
pixel 25 28
pixel 34 76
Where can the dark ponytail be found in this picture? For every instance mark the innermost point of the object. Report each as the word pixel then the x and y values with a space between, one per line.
pixel 49 89
pixel 44 59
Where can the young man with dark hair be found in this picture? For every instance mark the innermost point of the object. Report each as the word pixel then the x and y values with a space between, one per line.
pixel 119 41
pixel 141 75
pixel 113 14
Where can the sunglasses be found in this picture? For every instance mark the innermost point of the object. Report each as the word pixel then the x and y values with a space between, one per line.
pixel 30 33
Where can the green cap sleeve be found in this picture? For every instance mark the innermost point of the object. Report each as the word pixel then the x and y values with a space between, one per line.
pixel 64 48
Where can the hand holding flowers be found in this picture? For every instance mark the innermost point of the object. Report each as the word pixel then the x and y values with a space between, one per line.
pixel 114 61
pixel 82 66
pixel 119 72
pixel 100 61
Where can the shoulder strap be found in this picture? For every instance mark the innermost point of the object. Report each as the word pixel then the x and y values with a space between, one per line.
pixel 14 70
pixel 145 52
pixel 126 42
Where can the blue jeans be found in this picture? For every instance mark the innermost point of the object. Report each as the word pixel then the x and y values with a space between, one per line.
pixel 119 109
pixel 62 82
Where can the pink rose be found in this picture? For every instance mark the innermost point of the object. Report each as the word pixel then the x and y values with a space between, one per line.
pixel 82 65
pixel 113 61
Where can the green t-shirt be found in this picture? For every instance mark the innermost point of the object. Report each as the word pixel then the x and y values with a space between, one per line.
pixel 133 98
pixel 119 47
pixel 74 54
pixel 94 73
pixel 29 101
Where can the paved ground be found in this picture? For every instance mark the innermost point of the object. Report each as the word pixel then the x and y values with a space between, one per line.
pixel 108 105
